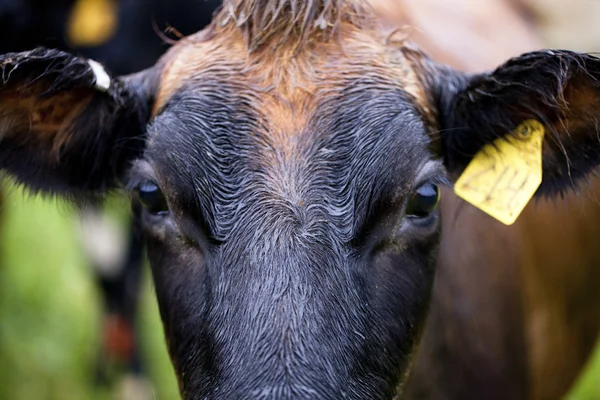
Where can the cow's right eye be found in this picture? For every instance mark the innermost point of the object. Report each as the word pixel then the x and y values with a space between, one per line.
pixel 152 198
pixel 424 201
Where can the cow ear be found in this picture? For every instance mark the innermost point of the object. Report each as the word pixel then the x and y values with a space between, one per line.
pixel 66 126
pixel 559 89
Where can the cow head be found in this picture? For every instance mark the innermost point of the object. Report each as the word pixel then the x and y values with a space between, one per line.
pixel 288 160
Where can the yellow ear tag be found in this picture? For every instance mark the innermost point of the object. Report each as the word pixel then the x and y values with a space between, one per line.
pixel 92 22
pixel 502 178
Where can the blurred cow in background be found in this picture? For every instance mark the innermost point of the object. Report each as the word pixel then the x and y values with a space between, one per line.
pixel 124 34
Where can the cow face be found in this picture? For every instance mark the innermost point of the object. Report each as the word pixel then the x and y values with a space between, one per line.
pixel 288 163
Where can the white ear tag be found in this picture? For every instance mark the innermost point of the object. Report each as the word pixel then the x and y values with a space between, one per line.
pixel 102 78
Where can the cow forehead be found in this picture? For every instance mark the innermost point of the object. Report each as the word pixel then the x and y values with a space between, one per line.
pixel 276 136
pixel 292 80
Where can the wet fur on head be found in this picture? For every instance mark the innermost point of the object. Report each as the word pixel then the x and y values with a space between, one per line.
pixel 276 22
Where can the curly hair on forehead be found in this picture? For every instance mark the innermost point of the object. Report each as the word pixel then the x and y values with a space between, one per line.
pixel 276 22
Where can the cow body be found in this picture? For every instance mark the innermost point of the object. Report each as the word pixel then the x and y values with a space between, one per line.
pixel 510 319
pixel 288 160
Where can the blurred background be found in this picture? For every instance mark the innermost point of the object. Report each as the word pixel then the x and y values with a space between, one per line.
pixel 78 318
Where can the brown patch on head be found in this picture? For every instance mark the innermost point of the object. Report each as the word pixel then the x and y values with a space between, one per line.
pixel 285 117
pixel 272 23
pixel 192 56
pixel 291 69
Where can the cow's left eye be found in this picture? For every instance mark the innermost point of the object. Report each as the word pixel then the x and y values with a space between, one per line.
pixel 152 199
pixel 424 201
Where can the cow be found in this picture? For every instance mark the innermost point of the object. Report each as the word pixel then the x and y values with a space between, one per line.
pixel 289 160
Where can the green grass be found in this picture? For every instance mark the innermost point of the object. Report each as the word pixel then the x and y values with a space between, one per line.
pixel 49 312
pixel 588 386
pixel 50 308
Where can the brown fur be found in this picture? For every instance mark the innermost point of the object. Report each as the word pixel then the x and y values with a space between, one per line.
pixel 47 118
pixel 267 22
pixel 515 309
pixel 290 72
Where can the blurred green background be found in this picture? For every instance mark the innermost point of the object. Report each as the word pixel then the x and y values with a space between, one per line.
pixel 50 308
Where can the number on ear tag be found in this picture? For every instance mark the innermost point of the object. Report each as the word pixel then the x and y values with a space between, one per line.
pixel 503 177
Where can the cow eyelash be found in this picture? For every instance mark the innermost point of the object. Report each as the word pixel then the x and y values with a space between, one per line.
pixel 141 173
pixel 440 180
pixel 135 184
pixel 432 172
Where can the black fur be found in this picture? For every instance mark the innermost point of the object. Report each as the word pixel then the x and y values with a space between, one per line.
pixel 284 302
